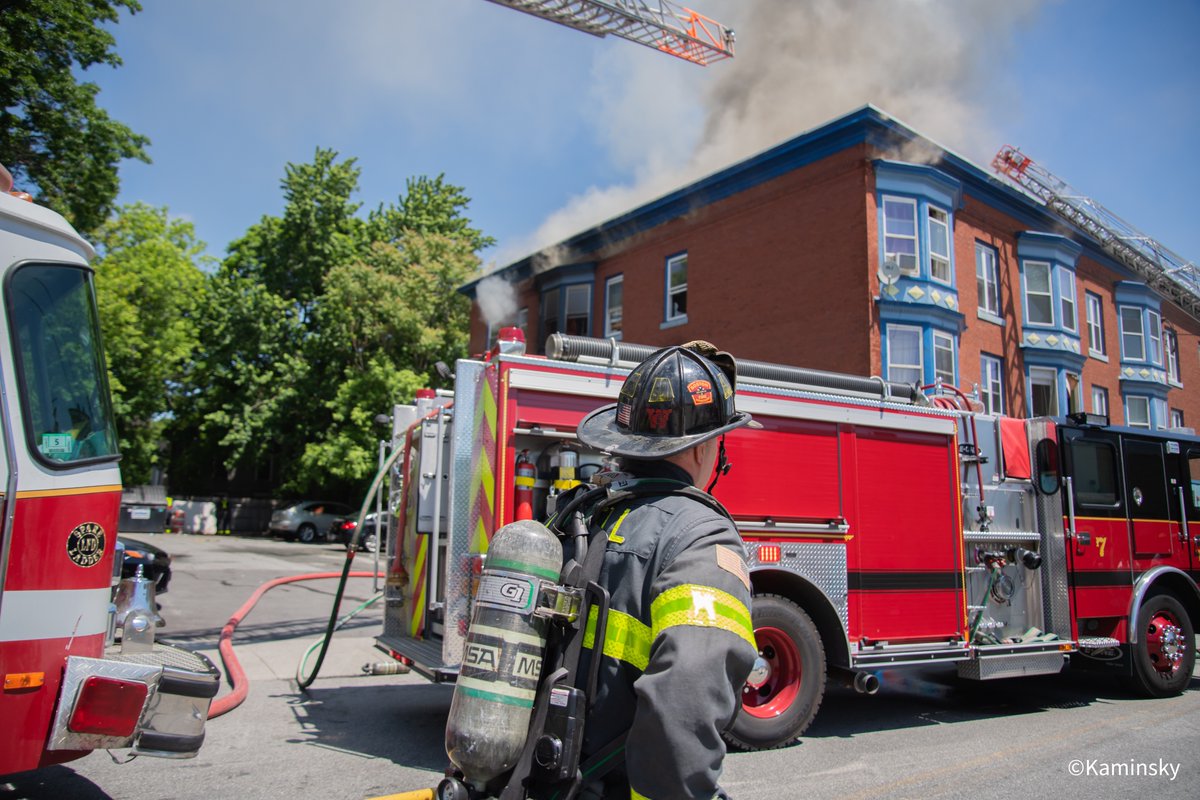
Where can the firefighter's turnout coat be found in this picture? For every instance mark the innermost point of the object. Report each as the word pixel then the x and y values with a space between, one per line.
pixel 679 643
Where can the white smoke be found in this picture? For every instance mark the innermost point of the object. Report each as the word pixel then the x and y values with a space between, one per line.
pixel 936 65
pixel 497 300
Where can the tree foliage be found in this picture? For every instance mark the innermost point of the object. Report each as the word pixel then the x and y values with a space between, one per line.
pixel 320 322
pixel 150 291
pixel 54 138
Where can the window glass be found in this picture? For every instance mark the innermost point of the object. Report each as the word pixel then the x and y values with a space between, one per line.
pixel 60 363
pixel 985 279
pixel 1038 298
pixel 1095 324
pixel 900 232
pixel 1177 418
pixel 943 357
pixel 1100 400
pixel 1094 475
pixel 1133 343
pixel 550 313
pixel 677 288
pixel 1171 348
pixel 992 385
pixel 1137 411
pixel 1154 335
pixel 1194 478
pixel 613 306
pixel 904 354
pixel 1066 292
pixel 939 245
pixel 579 309
pixel 1158 412
pixel 1043 392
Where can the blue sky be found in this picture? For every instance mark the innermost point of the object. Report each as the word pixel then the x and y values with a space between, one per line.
pixel 551 131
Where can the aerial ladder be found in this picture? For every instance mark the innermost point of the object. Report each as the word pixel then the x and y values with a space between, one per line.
pixel 660 24
pixel 1163 270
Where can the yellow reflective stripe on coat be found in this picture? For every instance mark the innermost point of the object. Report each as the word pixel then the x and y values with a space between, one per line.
pixel 701 606
pixel 626 638
pixel 634 794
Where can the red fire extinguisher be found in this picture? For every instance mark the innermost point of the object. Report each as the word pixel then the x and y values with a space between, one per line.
pixel 523 491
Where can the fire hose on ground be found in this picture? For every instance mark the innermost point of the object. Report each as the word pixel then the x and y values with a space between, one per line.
pixel 233 668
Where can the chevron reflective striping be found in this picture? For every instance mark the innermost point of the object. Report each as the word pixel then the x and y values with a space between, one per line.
pixel 417 606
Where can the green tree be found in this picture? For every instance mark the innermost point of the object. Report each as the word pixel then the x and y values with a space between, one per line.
pixel 56 141
pixel 150 290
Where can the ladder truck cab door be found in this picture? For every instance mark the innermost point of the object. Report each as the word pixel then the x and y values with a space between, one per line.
pixel 1099 547
pixel 1189 502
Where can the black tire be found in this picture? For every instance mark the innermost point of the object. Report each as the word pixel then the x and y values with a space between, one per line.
pixel 782 708
pixel 307 533
pixel 1165 653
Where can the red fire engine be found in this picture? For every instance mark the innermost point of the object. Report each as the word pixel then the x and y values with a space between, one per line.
pixel 883 527
pixel 67 688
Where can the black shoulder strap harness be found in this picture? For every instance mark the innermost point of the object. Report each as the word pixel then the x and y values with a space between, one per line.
pixel 549 765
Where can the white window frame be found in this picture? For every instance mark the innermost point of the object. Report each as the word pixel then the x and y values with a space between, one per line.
pixel 939 262
pixel 1095 326
pixel 1044 376
pixel 987 279
pixel 1177 418
pixel 1067 303
pixel 1100 400
pixel 1154 335
pixel 671 291
pixel 942 343
pixel 919 367
pixel 1158 413
pixel 572 294
pixel 1128 336
pixel 614 314
pixel 915 267
pixel 1171 351
pixel 1048 294
pixel 992 383
pixel 1143 404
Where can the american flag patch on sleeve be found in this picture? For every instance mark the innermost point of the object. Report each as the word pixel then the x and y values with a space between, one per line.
pixel 731 561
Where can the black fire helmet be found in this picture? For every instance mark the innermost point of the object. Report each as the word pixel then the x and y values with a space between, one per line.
pixel 672 401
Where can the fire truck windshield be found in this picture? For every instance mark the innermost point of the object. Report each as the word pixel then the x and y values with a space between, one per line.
pixel 60 365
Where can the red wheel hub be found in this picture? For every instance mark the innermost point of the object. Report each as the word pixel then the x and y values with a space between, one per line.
pixel 1164 642
pixel 784 669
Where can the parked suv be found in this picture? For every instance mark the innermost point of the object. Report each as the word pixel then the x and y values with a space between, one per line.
pixel 307 520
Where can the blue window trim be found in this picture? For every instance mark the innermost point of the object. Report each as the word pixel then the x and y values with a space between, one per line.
pixel 927 327
pixel 1141 376
pixel 562 278
pixel 668 320
pixel 927 187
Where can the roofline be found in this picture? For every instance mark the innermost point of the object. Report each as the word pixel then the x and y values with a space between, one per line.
pixel 867 124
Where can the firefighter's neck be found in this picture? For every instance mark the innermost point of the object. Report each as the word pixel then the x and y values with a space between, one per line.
pixel 697 461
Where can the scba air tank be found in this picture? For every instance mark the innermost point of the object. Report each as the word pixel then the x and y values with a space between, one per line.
pixel 502 658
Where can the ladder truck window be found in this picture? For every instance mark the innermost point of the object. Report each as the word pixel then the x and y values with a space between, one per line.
pixel 1094 473
pixel 60 364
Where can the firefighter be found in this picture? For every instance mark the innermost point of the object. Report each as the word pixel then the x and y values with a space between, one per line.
pixel 680 642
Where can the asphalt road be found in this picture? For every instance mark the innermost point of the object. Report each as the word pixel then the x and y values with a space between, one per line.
pixel 925 735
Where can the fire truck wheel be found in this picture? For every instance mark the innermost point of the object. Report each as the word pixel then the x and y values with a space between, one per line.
pixel 782 707
pixel 307 533
pixel 1165 653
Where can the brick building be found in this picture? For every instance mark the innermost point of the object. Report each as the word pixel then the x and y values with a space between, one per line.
pixel 863 247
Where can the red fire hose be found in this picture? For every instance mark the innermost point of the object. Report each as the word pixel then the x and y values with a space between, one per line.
pixel 233 668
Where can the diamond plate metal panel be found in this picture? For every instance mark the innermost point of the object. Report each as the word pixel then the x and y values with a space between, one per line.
pixel 1054 549
pixel 469 383
pixel 821 564
pixel 1011 666
pixel 78 670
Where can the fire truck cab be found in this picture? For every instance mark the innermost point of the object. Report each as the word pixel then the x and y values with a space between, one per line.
pixel 884 528
pixel 67 688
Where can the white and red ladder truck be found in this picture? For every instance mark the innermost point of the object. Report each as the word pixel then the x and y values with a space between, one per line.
pixel 883 528
pixel 67 689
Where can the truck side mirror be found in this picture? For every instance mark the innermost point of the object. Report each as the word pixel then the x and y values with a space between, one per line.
pixel 1049 477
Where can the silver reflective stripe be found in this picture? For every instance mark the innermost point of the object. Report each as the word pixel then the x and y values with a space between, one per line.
pixel 54 614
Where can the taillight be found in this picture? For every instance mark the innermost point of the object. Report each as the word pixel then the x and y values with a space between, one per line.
pixel 108 706
pixel 349 525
